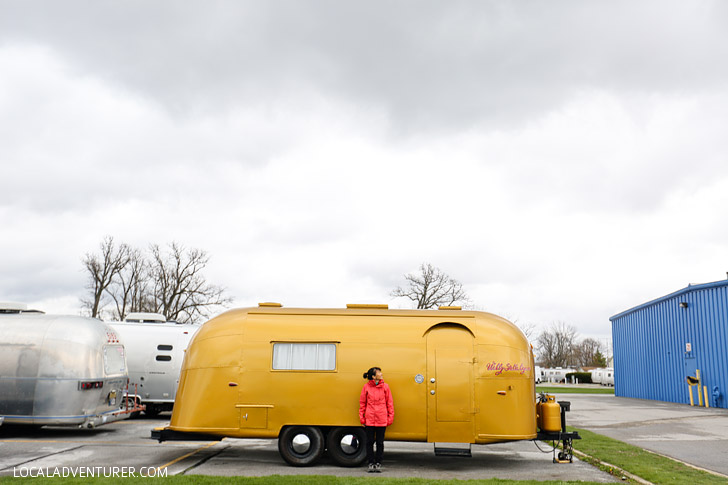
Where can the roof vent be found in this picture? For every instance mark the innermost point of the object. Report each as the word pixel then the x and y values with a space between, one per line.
pixel 368 306
pixel 270 304
pixel 11 307
pixel 140 317
pixel 450 308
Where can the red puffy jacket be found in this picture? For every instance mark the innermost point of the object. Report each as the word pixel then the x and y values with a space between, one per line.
pixel 375 405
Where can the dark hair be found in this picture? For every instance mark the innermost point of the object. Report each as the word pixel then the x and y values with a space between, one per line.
pixel 371 373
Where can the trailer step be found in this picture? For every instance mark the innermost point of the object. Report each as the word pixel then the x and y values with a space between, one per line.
pixel 453 449
pixel 166 434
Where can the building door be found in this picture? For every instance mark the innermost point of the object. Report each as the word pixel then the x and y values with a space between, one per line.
pixel 450 384
pixel 688 343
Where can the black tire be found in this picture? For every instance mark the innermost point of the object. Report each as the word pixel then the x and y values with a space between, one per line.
pixel 345 452
pixel 133 415
pixel 301 454
pixel 151 410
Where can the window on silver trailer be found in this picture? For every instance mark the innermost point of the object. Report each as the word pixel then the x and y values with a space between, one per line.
pixel 114 362
pixel 304 356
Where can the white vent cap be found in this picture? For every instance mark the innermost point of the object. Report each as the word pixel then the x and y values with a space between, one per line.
pixel 141 317
pixel 15 307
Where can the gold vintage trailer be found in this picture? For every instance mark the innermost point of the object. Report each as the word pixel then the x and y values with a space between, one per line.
pixel 295 374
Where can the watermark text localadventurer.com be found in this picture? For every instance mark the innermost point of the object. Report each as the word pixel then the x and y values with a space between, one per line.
pixel 88 472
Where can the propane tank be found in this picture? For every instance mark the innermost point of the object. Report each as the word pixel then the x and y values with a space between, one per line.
pixel 549 413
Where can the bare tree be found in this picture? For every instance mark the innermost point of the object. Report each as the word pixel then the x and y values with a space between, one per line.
pixel 129 290
pixel 102 269
pixel 179 290
pixel 588 353
pixel 556 345
pixel 528 329
pixel 168 282
pixel 431 288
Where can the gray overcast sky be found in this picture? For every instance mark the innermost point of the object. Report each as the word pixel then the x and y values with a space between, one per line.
pixel 564 160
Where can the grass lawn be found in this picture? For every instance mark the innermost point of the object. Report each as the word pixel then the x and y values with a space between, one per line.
pixel 646 465
pixel 291 480
pixel 575 390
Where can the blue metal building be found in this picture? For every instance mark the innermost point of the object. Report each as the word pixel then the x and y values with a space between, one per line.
pixel 661 342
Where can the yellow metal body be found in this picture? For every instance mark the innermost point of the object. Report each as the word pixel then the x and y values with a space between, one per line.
pixel 455 376
pixel 549 415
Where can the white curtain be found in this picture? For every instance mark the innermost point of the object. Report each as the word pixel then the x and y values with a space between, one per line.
pixel 295 356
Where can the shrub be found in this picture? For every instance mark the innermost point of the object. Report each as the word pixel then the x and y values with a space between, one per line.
pixel 582 377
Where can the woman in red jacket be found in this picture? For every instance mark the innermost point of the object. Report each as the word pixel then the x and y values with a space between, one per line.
pixel 376 412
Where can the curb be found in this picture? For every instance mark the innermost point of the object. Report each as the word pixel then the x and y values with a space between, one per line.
pixel 614 467
pixel 717 474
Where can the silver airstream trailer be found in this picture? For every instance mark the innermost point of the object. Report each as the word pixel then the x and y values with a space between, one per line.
pixel 59 370
pixel 154 352
pixel 608 377
pixel 597 376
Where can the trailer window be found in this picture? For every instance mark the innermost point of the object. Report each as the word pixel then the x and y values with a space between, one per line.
pixel 114 362
pixel 299 356
pixel 164 347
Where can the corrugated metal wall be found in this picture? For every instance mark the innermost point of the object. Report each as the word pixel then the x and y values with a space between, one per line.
pixel 651 360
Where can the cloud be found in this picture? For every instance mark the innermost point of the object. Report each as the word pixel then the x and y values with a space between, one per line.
pixel 565 161
pixel 429 66
pixel 76 142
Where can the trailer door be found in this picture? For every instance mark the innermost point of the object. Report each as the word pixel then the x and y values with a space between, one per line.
pixel 450 384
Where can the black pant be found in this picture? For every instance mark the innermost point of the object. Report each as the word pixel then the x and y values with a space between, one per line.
pixel 371 432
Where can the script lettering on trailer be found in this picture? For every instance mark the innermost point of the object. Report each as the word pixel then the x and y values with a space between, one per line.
pixel 500 367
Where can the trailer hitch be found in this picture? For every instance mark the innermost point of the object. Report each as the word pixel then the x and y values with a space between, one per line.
pixel 566 454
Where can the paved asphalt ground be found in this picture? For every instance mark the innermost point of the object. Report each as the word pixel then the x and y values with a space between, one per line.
pixel 128 444
pixel 695 435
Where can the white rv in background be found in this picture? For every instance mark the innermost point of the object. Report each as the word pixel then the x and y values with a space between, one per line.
pixel 538 374
pixel 604 376
pixel 154 352
pixel 556 374
pixel 597 376
pixel 608 377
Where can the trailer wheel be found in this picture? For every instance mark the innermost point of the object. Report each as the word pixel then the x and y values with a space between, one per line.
pixel 301 445
pixel 152 410
pixel 131 404
pixel 347 446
